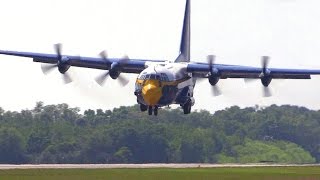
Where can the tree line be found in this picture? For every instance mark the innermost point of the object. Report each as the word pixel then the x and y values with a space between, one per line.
pixel 61 134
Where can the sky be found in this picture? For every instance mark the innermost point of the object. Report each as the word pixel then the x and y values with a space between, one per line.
pixel 237 32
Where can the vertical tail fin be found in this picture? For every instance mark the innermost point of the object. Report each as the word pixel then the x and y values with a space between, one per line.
pixel 184 55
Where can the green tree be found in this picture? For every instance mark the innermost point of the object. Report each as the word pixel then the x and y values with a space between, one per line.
pixel 11 146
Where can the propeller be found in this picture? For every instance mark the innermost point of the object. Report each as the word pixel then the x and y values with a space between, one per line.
pixel 264 64
pixel 47 68
pixel 264 77
pixel 57 48
pixel 211 59
pixel 216 91
pixel 101 79
pixel 123 80
pixel 61 65
pixel 266 92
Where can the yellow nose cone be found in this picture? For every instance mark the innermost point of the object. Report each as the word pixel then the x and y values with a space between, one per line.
pixel 151 92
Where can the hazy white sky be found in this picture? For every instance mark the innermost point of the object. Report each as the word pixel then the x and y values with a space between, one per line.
pixel 237 32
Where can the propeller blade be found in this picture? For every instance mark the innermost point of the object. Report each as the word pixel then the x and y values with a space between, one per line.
pixel 264 63
pixel 211 60
pixel 104 55
pixel 57 48
pixel 266 92
pixel 101 79
pixel 66 78
pixel 47 68
pixel 122 80
pixel 216 91
pixel 124 60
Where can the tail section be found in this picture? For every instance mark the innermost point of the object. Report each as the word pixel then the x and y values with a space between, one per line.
pixel 184 55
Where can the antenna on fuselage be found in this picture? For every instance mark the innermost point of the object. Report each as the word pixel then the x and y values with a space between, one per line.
pixel 184 55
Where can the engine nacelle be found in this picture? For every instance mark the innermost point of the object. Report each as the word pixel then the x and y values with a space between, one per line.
pixel 63 65
pixel 213 80
pixel 114 70
pixel 266 81
pixel 114 74
pixel 63 69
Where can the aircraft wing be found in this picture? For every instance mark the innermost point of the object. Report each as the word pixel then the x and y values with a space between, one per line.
pixel 126 65
pixel 236 71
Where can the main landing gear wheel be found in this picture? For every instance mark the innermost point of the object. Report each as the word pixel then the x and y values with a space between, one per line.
pixel 150 110
pixel 187 107
pixel 153 110
pixel 143 108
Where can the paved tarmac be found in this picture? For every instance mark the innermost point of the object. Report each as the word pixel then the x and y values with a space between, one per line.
pixel 110 166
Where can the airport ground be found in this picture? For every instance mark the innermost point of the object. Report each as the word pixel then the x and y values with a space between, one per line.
pixel 160 171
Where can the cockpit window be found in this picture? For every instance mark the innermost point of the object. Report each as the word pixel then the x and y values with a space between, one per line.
pixel 161 77
pixel 164 77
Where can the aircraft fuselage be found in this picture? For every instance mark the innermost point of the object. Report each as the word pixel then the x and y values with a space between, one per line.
pixel 164 84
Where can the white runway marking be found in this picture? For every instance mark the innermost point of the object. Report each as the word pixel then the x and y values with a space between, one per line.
pixel 114 166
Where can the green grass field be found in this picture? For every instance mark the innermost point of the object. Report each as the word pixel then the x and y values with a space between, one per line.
pixel 261 173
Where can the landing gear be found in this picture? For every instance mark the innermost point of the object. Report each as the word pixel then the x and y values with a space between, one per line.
pixel 143 107
pixel 187 107
pixel 153 110
pixel 150 110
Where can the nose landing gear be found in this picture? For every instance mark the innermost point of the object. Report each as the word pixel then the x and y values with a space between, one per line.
pixel 153 110
pixel 150 110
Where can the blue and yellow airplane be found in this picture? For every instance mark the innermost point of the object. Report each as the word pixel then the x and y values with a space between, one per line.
pixel 162 83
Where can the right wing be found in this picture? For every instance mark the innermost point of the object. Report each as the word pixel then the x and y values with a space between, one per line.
pixel 126 65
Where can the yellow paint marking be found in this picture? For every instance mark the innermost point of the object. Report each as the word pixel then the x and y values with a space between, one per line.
pixel 151 92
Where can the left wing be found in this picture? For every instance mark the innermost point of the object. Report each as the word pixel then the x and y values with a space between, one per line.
pixel 235 71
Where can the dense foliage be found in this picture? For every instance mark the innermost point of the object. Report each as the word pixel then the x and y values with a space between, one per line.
pixel 60 134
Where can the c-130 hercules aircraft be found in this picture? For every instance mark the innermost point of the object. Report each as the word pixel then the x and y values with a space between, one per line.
pixel 162 83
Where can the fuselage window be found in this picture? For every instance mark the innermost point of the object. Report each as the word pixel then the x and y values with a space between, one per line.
pixel 154 76
pixel 164 77
pixel 143 77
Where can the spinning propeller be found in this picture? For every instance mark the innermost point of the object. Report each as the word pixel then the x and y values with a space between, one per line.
pixel 214 76
pixel 62 65
pixel 114 72
pixel 264 77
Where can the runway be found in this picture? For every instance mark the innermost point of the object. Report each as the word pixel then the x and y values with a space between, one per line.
pixel 137 166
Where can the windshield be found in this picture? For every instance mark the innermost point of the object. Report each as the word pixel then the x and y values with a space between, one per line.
pixel 161 77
